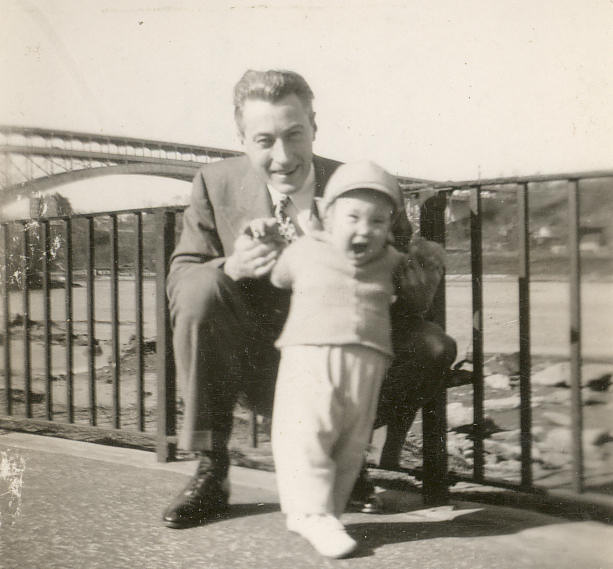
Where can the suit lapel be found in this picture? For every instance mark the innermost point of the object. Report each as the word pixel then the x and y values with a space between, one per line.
pixel 248 198
pixel 323 170
pixel 254 197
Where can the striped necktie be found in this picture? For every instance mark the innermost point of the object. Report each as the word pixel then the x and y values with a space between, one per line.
pixel 287 229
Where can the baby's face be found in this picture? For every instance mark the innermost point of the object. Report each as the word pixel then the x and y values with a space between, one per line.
pixel 359 223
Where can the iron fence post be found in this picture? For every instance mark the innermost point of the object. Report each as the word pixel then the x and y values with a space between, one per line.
pixel 27 355
pixel 435 479
pixel 525 365
pixel 45 238
pixel 115 329
pixel 7 320
pixel 575 336
pixel 166 383
pixel 476 264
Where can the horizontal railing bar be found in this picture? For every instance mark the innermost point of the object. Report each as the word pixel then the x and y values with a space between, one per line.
pixel 133 439
pixel 455 477
pixel 564 177
pixel 118 212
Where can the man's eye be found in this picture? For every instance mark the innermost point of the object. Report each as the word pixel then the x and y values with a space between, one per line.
pixel 264 142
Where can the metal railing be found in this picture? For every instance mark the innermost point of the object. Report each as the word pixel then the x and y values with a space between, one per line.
pixel 95 253
pixel 522 187
pixel 32 257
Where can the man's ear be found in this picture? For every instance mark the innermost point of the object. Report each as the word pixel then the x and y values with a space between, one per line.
pixel 313 125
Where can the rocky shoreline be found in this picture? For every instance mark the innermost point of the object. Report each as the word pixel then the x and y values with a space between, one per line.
pixel 550 398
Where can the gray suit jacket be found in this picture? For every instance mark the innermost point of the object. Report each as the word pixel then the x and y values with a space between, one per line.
pixel 228 194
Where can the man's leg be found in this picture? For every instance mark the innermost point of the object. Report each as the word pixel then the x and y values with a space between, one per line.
pixel 424 354
pixel 209 322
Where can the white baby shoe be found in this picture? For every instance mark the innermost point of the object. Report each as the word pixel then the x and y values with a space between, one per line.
pixel 324 532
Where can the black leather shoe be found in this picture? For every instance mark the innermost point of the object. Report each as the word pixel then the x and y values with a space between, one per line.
pixel 204 499
pixel 364 497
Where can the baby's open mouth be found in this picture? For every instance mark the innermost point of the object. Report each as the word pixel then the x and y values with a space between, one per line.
pixel 359 248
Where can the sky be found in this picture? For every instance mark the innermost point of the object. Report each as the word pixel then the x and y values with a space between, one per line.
pixel 443 90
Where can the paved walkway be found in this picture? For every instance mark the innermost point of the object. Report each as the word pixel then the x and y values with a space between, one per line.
pixel 87 506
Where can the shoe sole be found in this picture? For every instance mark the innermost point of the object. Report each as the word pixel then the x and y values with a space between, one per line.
pixel 214 515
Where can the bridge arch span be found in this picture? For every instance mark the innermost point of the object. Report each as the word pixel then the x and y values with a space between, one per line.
pixel 183 172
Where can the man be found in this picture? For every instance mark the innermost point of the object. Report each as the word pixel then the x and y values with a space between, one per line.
pixel 225 313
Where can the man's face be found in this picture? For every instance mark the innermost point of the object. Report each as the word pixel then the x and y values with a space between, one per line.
pixel 278 139
pixel 358 224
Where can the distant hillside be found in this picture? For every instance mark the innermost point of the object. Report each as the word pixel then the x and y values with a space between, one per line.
pixel 549 229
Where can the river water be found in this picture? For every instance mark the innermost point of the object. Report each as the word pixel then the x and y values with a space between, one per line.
pixel 549 319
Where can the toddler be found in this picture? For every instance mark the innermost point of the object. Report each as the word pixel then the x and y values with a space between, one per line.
pixel 335 349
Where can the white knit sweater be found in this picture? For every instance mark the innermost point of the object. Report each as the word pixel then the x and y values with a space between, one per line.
pixel 335 302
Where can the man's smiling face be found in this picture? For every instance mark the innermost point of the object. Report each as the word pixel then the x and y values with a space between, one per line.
pixel 278 139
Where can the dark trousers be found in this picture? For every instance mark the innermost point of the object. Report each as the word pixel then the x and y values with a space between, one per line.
pixel 223 336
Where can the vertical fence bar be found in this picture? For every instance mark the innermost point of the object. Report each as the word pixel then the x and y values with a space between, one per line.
pixel 7 319
pixel 575 335
pixel 138 316
pixel 435 483
pixel 253 425
pixel 476 220
pixel 166 391
pixel 27 356
pixel 115 364
pixel 525 363
pixel 68 299
pixel 91 322
pixel 47 320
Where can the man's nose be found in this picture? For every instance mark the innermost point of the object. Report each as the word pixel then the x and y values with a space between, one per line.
pixel 279 152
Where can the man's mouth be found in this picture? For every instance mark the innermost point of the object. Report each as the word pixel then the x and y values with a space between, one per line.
pixel 285 173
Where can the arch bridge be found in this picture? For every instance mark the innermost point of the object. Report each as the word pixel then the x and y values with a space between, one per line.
pixel 37 159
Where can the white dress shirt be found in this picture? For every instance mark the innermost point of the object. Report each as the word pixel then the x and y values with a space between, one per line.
pixel 299 208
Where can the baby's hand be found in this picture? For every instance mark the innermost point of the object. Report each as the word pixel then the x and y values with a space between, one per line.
pixel 264 229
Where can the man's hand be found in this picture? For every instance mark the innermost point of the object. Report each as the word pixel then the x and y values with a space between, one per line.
pixel 255 251
pixel 430 255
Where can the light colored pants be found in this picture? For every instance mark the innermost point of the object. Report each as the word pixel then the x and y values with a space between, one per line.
pixel 324 408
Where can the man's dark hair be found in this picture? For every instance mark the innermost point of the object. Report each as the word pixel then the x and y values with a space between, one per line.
pixel 272 86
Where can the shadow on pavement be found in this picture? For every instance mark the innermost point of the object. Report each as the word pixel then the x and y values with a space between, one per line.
pixel 471 523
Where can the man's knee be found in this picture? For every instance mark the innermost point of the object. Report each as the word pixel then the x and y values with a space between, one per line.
pixel 428 344
pixel 195 292
pixel 440 348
